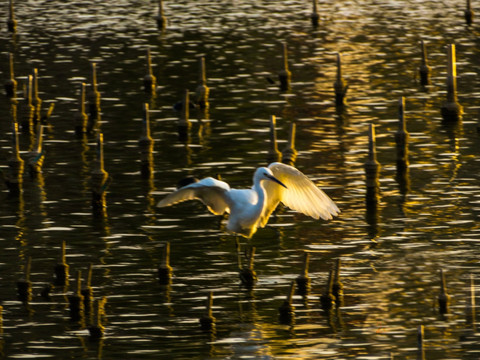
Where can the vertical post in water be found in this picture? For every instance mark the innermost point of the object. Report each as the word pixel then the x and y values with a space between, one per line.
pixel 36 101
pixel 287 310
pixel 451 109
pixel 165 270
pixel 470 308
pixel 401 136
pixel 61 269
pixel 443 296
pixel 24 285
pixel 11 84
pixel 184 124
pixel 149 81
pixel 202 91
pixel 340 86
pixel 314 17
pixel 15 163
pixel 11 22
pixel 469 14
pixel 337 287
pixel 161 19
pixel 81 117
pixel 87 292
pixel 284 75
pixel 424 69
pixel 273 153
pixel 327 300
pixel 420 336
pixel 75 301
pixel 96 329
pixel 289 154
pixel 372 166
pixel 36 156
pixel 146 145
pixel 93 103
pixel 99 177
pixel 207 322
pixel 303 280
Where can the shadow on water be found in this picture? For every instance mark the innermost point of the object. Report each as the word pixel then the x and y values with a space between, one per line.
pixel 422 219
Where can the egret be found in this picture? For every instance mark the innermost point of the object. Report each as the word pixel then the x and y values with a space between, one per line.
pixel 249 209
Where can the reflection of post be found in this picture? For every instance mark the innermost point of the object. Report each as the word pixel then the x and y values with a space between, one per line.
pixel 424 69
pixel 87 292
pixel 165 270
pixel 75 301
pixel 273 153
pixel 15 163
pixel 401 139
pixel 284 75
pixel 146 145
pixel 24 285
pixel 36 101
pixel 451 109
pixel 99 177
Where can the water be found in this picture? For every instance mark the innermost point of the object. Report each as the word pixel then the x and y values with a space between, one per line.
pixel 390 260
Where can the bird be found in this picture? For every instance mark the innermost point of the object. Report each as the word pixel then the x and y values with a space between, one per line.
pixel 250 209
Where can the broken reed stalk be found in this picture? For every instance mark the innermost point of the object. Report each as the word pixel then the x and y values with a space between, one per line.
pixel 184 123
pixel 420 347
pixel 372 172
pixel 87 291
pixel 337 286
pixel 36 101
pixel 94 120
pixel 96 329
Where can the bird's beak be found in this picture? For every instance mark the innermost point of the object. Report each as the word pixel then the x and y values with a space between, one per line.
pixel 273 178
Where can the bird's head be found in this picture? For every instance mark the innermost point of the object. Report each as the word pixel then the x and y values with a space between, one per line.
pixel 264 173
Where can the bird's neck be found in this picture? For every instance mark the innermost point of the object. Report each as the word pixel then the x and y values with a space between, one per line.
pixel 260 190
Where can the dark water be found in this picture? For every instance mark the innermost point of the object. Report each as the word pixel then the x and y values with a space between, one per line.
pixel 390 259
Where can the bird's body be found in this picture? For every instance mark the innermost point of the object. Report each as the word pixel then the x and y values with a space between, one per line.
pixel 251 208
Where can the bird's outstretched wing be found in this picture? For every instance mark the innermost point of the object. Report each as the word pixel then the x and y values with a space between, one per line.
pixel 210 191
pixel 301 194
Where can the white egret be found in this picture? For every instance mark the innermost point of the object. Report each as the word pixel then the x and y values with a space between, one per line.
pixel 251 208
